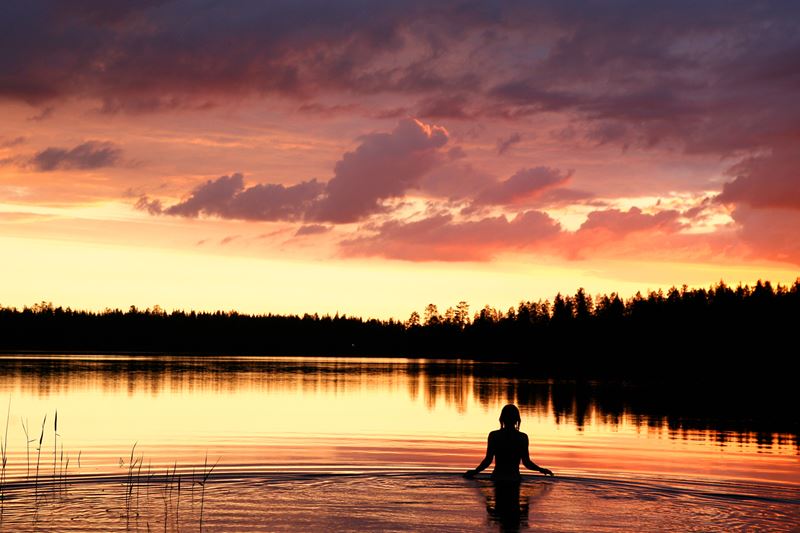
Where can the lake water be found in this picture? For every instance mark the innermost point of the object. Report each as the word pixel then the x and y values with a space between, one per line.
pixel 378 444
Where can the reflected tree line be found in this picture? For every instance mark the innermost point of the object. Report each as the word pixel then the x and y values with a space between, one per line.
pixel 684 333
pixel 724 414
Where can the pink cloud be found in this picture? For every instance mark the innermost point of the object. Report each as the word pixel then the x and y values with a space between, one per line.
pixel 771 181
pixel 770 234
pixel 227 197
pixel 619 222
pixel 441 238
pixel 523 185
pixel 505 144
pixel 456 181
pixel 384 166
pixel 311 229
pixel 85 156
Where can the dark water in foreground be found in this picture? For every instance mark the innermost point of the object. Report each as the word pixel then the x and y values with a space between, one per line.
pixel 320 444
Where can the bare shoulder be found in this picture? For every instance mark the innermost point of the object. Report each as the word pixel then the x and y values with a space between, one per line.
pixel 523 436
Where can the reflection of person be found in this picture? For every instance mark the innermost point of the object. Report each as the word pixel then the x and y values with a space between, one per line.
pixel 509 503
pixel 508 446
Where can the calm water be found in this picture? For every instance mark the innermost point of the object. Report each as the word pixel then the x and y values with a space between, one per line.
pixel 353 444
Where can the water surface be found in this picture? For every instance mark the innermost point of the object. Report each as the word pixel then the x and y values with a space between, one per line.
pixel 380 444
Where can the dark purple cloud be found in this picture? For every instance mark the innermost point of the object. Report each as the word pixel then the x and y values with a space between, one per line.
pixel 85 156
pixel 665 70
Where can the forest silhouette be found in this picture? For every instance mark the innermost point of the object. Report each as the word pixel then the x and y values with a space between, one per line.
pixel 691 333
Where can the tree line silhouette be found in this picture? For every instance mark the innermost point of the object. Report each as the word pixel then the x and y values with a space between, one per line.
pixel 747 331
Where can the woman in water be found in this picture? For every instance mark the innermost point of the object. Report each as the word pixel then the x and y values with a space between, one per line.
pixel 508 446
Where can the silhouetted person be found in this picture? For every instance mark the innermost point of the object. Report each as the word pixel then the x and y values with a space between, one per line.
pixel 508 446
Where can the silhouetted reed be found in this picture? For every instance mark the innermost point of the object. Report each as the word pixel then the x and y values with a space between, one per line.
pixel 206 474
pixel 28 441
pixel 4 458
pixel 55 442
pixel 38 459
pixel 129 481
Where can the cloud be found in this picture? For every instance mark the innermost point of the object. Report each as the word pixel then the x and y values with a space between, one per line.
pixel 152 206
pixel 504 145
pixel 617 222
pixel 44 114
pixel 714 78
pixel 456 180
pixel 150 56
pixel 674 71
pixel 227 197
pixel 631 233
pixel 384 166
pixel 312 229
pixel 770 234
pixel 10 142
pixel 450 106
pixel 523 185
pixel 86 156
pixel 770 181
pixel 564 196
pixel 441 238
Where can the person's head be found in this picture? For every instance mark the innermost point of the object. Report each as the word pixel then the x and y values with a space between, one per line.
pixel 509 417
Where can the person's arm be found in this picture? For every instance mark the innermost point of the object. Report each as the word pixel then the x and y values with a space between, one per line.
pixel 530 465
pixel 486 460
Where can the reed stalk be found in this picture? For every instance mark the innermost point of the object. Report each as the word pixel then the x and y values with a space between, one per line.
pixel 206 475
pixel 28 441
pixel 4 457
pixel 165 496
pixel 55 443
pixel 129 480
pixel 178 506
pixel 138 482
pixel 38 459
pixel 66 469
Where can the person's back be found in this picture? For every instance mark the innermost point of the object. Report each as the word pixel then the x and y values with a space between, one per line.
pixel 508 446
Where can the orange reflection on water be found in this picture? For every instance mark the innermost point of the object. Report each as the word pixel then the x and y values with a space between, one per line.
pixel 345 414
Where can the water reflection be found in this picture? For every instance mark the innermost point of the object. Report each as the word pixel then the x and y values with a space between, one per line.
pixel 721 414
pixel 508 504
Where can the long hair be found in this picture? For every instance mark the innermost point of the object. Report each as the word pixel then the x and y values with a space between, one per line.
pixel 509 417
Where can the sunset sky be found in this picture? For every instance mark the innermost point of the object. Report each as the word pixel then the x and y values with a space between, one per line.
pixel 372 157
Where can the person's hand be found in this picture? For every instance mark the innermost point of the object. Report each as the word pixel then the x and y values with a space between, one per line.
pixel 470 474
pixel 546 472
